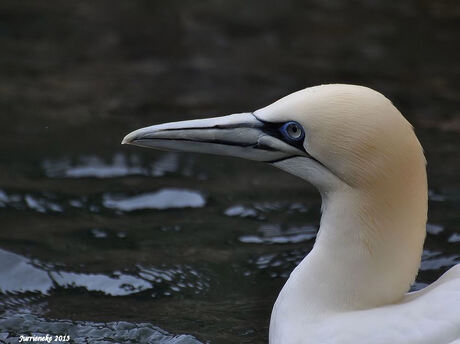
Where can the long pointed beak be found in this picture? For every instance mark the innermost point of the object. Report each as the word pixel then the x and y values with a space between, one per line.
pixel 239 135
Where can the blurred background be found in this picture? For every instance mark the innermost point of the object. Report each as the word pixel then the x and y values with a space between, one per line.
pixel 107 242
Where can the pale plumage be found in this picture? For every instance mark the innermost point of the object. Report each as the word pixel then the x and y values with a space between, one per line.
pixel 364 158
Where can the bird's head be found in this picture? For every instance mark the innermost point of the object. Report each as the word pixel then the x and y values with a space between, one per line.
pixel 331 135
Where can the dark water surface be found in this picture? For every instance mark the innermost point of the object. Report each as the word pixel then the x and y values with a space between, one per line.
pixel 118 244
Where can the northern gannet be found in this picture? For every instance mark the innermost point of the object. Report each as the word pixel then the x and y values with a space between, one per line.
pixel 365 160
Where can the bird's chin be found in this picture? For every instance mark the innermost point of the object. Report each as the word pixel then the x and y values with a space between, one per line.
pixel 312 171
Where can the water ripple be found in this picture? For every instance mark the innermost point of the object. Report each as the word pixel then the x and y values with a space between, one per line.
pixel 279 264
pixel 15 325
pixel 455 237
pixel 166 198
pixel 259 209
pixel 276 234
pixel 19 274
pixel 434 260
pixel 162 199
pixel 120 165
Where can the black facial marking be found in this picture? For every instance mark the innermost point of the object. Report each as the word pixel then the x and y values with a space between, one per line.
pixel 274 130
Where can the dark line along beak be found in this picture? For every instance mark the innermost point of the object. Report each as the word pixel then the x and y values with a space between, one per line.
pixel 240 135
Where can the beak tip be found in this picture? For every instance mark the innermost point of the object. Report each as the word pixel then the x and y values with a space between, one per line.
pixel 135 135
pixel 127 140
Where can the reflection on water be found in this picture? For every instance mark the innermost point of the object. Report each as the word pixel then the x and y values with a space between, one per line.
pixel 83 332
pixel 434 260
pixel 281 264
pixel 92 166
pixel 24 282
pixel 455 237
pixel 119 166
pixel 119 285
pixel 20 275
pixel 258 209
pixel 275 234
pixel 167 198
pixel 434 229
pixel 241 211
pixel 162 199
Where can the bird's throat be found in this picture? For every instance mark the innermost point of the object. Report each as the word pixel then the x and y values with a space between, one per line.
pixel 367 253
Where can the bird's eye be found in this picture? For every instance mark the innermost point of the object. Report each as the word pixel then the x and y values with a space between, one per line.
pixel 292 131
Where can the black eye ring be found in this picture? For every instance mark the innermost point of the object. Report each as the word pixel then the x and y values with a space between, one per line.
pixel 292 131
